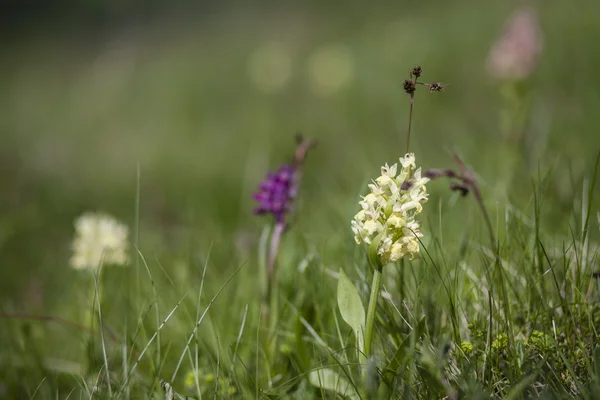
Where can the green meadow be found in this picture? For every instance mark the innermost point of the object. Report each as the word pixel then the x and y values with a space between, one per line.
pixel 169 123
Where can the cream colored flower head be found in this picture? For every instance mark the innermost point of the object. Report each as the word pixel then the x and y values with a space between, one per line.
pixel 388 212
pixel 99 238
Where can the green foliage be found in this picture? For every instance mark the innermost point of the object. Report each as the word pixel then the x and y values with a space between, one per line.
pixel 351 308
pixel 328 379
pixel 81 114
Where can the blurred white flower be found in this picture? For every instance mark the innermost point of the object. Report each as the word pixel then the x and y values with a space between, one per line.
pixel 329 69
pixel 390 210
pixel 515 53
pixel 270 66
pixel 99 238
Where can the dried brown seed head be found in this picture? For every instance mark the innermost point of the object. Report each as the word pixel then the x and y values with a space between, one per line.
pixel 435 87
pixel 417 70
pixel 409 86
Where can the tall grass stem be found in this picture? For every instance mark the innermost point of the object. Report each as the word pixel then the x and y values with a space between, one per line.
pixel 410 114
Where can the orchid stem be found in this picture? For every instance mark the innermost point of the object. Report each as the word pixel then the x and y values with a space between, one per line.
pixel 375 285
pixel 271 266
pixel 273 249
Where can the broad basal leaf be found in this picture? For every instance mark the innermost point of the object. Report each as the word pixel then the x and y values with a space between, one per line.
pixel 351 308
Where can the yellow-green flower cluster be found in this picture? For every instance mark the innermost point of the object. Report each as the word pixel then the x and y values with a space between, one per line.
pixel 207 383
pixel 466 347
pixel 388 212
pixel 500 342
pixel 540 341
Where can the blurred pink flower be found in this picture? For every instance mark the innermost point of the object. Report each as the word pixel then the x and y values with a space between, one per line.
pixel 516 52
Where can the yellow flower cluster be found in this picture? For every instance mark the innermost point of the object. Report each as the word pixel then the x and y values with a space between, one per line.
pixel 388 212
pixel 99 238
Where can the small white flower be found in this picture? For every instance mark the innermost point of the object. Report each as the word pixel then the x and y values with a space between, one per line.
pixel 384 181
pixel 387 176
pixel 413 226
pixel 389 210
pixel 418 179
pixel 408 161
pixel 99 238
pixel 372 200
pixel 412 247
pixel 396 221
pixel 375 189
pixel 397 251
pixel 389 171
pixel 370 227
pixel 411 205
pixel 385 246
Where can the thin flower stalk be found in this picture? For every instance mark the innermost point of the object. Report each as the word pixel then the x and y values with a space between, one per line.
pixel 410 87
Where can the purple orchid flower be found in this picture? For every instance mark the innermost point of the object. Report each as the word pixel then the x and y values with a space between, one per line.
pixel 277 192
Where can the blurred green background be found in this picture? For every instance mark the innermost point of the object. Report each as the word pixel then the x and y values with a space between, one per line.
pixel 203 98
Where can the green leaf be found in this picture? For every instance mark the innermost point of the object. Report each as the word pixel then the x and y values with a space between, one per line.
pixel 328 379
pixel 301 352
pixel 519 389
pixel 430 371
pixel 398 358
pixel 372 254
pixel 351 308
